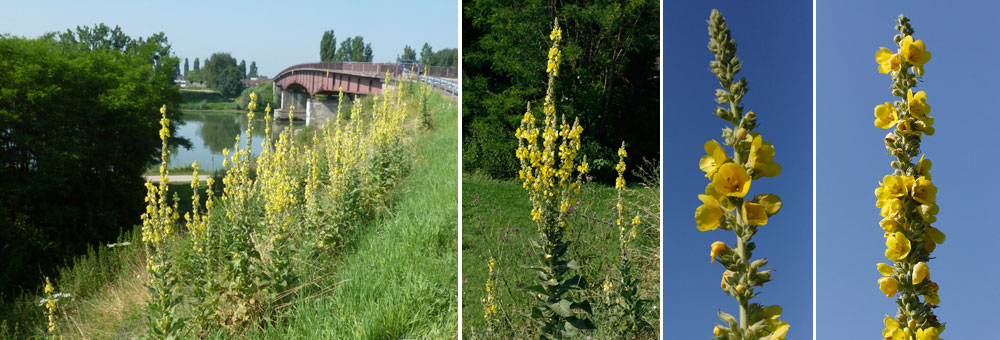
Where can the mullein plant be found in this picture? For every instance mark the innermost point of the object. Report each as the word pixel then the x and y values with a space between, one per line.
pixel 628 304
pixel 907 197
pixel 158 224
pixel 547 170
pixel 725 202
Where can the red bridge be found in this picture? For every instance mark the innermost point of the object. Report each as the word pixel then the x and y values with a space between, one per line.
pixel 301 83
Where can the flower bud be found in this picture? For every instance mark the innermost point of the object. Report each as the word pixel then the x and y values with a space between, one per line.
pixel 742 133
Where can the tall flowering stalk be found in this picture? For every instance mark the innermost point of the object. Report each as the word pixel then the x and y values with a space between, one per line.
pixel 628 304
pixel 547 169
pixel 725 202
pixel 907 197
pixel 158 224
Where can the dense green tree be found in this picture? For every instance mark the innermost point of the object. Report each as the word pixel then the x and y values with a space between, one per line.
pixel 221 73
pixel 425 54
pixel 197 67
pixel 408 54
pixel 187 67
pixel 445 57
pixel 243 69
pixel 79 115
pixel 328 47
pixel 354 49
pixel 609 72
pixel 253 70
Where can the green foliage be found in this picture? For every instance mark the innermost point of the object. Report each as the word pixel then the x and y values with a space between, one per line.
pixel 253 70
pixel 610 72
pixel 206 100
pixel 196 65
pixel 265 96
pixel 354 49
pixel 328 46
pixel 408 54
pixel 77 135
pixel 243 69
pixel 187 67
pixel 221 73
pixel 425 54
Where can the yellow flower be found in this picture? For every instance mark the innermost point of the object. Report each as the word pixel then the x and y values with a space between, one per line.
pixel 714 158
pixel 777 328
pixel 898 246
pixel 762 158
pixel 929 333
pixel 915 53
pixel 889 224
pixel 888 286
pixel 917 103
pixel 935 235
pixel 710 214
pixel 924 191
pixel 931 295
pixel 754 213
pixel 895 186
pixel 885 116
pixel 890 207
pixel 770 202
pixel 887 61
pixel 48 287
pixel 893 331
pixel 885 269
pixel 731 180
pixel 636 220
pixel 717 331
pixel 718 248
pixel 920 272
pixel 924 167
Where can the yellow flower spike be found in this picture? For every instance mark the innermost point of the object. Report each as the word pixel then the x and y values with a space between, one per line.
pixel 888 286
pixel 924 191
pixel 915 53
pixel 918 103
pixel 754 213
pixel 898 246
pixel 887 61
pixel 732 179
pixel 893 331
pixel 718 248
pixel 710 214
pixel 886 116
pixel 714 158
pixel 920 272
pixel 762 158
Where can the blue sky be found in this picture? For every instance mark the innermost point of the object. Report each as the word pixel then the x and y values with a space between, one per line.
pixel 275 35
pixel 775 44
pixel 851 159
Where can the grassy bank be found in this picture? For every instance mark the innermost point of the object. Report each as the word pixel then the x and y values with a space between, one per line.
pixel 496 222
pixel 206 100
pixel 394 275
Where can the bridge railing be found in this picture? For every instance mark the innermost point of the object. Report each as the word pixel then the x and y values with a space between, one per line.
pixel 375 69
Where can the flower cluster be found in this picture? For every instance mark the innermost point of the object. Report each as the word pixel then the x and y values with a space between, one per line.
pixel 547 169
pixel 907 198
pixel 725 203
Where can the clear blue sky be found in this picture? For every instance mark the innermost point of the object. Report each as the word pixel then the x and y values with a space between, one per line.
pixel 851 159
pixel 775 44
pixel 276 34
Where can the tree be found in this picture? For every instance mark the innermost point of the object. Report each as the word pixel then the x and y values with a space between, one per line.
pixel 354 49
pixel 408 54
pixel 243 69
pixel 221 73
pixel 196 66
pixel 425 54
pixel 328 47
pixel 186 66
pixel 253 69
pixel 445 57
pixel 610 69
pixel 74 143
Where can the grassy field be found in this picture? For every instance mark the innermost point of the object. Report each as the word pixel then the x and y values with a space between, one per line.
pixel 395 278
pixel 206 100
pixel 496 223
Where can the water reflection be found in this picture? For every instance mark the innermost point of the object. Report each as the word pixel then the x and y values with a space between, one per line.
pixel 212 131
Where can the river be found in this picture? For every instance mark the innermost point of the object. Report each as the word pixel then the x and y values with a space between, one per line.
pixel 212 131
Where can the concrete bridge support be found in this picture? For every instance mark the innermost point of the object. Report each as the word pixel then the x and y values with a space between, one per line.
pixel 292 97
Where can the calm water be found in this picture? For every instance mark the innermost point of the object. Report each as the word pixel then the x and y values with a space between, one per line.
pixel 210 132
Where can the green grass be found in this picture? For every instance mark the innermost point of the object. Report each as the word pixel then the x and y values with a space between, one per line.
pixel 203 100
pixel 496 223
